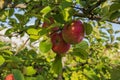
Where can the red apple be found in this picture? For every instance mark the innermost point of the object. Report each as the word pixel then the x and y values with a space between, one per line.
pixel 74 32
pixel 9 77
pixel 48 23
pixel 59 45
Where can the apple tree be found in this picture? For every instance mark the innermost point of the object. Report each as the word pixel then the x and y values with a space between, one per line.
pixel 60 40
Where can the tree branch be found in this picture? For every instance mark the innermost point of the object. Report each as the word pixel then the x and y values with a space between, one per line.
pixel 94 17
pixel 96 5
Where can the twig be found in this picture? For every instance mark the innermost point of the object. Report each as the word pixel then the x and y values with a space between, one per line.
pixel 19 49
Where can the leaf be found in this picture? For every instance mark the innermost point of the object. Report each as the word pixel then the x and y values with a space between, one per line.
pixel 11 11
pixel 2 60
pixel 57 65
pixel 65 4
pixel 17 74
pixel 115 15
pixel 45 46
pixel 32 31
pixel 114 7
pixel 8 52
pixel 15 59
pixel 2 44
pixel 78 1
pixel 118 38
pixel 59 18
pixel 88 28
pixel 40 77
pixel 9 31
pixel 115 73
pixel 20 17
pixel 30 70
pixel 46 10
pixel 80 52
pixel 3 17
pixel 34 37
pixel 43 32
pixel 83 45
pixel 90 74
pixel 30 78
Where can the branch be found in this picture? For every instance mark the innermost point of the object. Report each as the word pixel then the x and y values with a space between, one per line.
pixel 96 5
pixel 94 17
pixel 23 45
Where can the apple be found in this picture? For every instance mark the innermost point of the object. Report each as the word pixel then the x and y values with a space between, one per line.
pixel 9 77
pixel 50 22
pixel 74 32
pixel 59 46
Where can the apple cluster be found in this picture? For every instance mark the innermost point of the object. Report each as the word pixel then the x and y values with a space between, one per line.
pixel 72 33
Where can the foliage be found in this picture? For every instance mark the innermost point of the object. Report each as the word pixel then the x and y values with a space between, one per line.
pixel 95 58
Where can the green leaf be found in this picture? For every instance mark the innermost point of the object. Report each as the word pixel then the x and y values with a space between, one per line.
pixel 80 52
pixel 46 10
pixel 78 1
pixel 17 74
pixel 118 38
pixel 32 31
pixel 15 59
pixel 9 31
pixel 20 17
pixel 30 78
pixel 2 60
pixel 115 7
pixel 88 28
pixel 30 70
pixel 59 18
pixel 115 73
pixel 34 37
pixel 2 44
pixel 11 11
pixel 40 77
pixel 115 15
pixel 90 74
pixel 3 17
pixel 65 4
pixel 45 46
pixel 8 52
pixel 57 65
pixel 83 45
pixel 43 32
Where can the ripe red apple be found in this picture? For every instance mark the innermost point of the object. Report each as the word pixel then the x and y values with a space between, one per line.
pixel 59 45
pixel 9 77
pixel 74 32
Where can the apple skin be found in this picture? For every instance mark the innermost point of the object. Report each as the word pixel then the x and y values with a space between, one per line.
pixel 74 32
pixel 9 77
pixel 59 45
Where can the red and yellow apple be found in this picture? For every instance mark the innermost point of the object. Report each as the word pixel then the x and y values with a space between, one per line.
pixel 74 32
pixel 9 77
pixel 59 45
